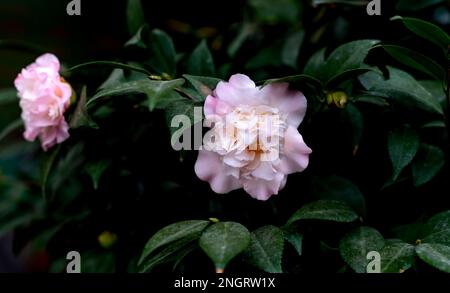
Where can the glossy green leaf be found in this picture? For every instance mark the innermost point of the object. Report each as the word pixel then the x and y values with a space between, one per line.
pixel 202 84
pixel 223 241
pixel 331 210
pixel 162 53
pixel 341 189
pixel 110 64
pixel 436 255
pixel 355 246
pixel 427 164
pixel 154 89
pixel 296 239
pixel 201 61
pixel 172 252
pixel 301 79
pixel 426 30
pixel 266 249
pixel 348 58
pixel 171 233
pixel 403 144
pixel 356 121
pixel 396 257
pixel 402 88
pixel 416 60
pixel 437 229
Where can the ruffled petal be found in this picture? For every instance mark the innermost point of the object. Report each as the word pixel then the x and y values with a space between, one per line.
pixel 262 189
pixel 291 103
pixel 210 168
pixel 296 153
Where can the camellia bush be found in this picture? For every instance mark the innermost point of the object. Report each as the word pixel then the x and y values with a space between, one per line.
pixel 291 141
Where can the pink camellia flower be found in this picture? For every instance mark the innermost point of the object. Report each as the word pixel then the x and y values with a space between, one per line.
pixel 44 97
pixel 254 142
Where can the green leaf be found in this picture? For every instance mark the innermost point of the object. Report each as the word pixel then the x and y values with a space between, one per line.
pixel 355 246
pixel 173 252
pixel 285 11
pixel 203 85
pixel 331 210
pixel 162 52
pixel 438 222
pixel 201 61
pixel 341 189
pixel 301 79
pixel 267 57
pixel 157 91
pixel 402 88
pixel 47 168
pixel 135 16
pixel 416 60
pixel 408 5
pixel 266 249
pixel 356 121
pixel 371 100
pixel 182 107
pixel 116 77
pixel 436 89
pixel 296 239
pixel 291 48
pixel 437 229
pixel 154 89
pixel 223 241
pixel 347 60
pixel 81 117
pixel 335 81
pixel 408 233
pixel 96 170
pixel 435 124
pixel 403 144
pixel 13 126
pixel 396 257
pixel 110 64
pixel 436 255
pixel 172 233
pixel 426 30
pixel 427 164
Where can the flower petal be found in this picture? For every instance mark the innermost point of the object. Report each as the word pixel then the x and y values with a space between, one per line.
pixel 241 81
pixel 263 189
pixel 292 103
pixel 296 153
pixel 210 168
pixel 49 61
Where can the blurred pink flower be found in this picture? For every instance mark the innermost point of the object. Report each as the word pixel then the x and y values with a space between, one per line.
pixel 44 97
pixel 254 142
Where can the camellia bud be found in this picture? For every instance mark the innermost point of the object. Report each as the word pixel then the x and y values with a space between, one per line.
pixel 338 98
pixel 107 239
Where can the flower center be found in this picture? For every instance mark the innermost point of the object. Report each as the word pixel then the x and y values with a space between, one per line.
pixel 251 133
